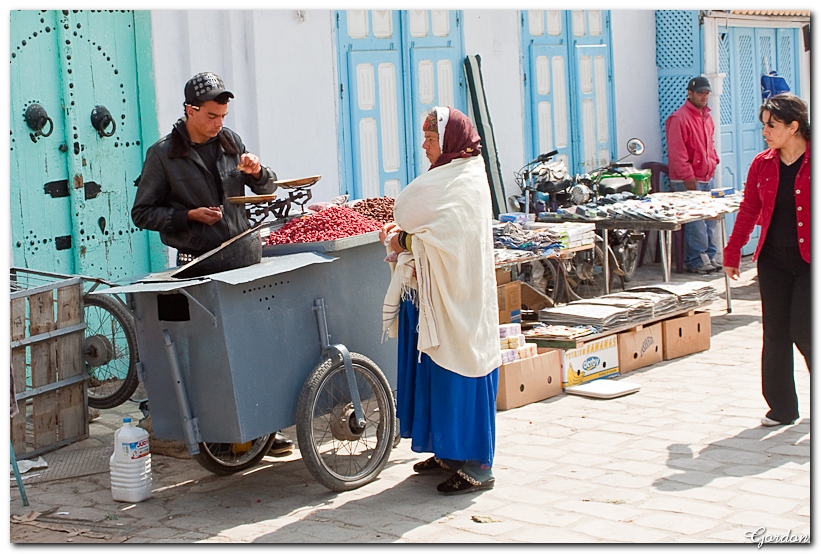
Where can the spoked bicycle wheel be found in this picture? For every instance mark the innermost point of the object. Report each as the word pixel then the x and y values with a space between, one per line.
pixel 109 352
pixel 339 453
pixel 225 458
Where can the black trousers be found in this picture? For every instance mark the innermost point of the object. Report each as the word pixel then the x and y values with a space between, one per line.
pixel 786 313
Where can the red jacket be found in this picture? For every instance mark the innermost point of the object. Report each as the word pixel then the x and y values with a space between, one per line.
pixel 757 207
pixel 690 148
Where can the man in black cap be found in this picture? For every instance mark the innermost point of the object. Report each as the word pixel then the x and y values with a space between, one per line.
pixel 188 174
pixel 691 163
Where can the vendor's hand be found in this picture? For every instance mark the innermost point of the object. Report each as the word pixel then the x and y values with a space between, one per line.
pixel 207 215
pixel 732 272
pixel 387 229
pixel 691 183
pixel 249 163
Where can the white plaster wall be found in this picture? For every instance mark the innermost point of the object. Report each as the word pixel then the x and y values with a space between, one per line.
pixel 635 77
pixel 494 35
pixel 282 71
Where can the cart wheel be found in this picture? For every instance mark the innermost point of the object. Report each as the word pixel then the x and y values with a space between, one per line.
pixel 338 453
pixel 225 458
pixel 109 352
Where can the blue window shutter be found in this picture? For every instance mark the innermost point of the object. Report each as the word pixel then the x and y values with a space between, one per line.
pixel 678 58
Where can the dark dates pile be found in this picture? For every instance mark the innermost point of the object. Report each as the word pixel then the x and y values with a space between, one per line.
pixel 379 209
pixel 335 222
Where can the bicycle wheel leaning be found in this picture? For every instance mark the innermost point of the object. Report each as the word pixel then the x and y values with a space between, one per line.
pixel 109 351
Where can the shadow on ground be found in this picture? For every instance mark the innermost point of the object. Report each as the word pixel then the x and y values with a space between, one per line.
pixel 751 452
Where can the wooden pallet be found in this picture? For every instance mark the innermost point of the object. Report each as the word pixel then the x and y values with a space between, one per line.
pixel 47 368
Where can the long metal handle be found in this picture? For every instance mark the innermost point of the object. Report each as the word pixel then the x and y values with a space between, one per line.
pixel 332 349
pixel 190 428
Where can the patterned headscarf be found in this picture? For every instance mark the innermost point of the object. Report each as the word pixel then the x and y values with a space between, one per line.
pixel 457 136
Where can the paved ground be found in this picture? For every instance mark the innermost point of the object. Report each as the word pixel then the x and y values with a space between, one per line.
pixel 682 461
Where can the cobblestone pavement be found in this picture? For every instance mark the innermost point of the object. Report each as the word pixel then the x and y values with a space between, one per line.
pixel 684 460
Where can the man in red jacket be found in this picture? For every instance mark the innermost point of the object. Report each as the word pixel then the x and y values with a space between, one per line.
pixel 691 162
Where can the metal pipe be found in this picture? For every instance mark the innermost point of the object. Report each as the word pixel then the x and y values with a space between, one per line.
pixel 342 350
pixel 664 244
pixel 190 428
pixel 723 227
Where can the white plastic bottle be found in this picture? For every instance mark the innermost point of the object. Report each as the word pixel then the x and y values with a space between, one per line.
pixel 130 464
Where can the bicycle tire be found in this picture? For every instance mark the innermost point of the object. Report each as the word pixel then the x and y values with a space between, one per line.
pixel 109 351
pixel 223 458
pixel 631 258
pixel 337 453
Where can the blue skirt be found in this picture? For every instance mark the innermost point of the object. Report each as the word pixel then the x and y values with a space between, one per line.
pixel 442 412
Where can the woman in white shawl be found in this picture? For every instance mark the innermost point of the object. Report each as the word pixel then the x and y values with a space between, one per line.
pixel 441 304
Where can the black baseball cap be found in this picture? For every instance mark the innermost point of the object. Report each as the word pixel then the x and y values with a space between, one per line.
pixel 699 84
pixel 203 87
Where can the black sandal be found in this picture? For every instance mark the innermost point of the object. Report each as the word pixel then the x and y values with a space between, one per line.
pixel 461 483
pixel 431 464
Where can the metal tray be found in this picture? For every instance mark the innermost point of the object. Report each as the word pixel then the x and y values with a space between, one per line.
pixel 292 183
pixel 255 199
pixel 322 246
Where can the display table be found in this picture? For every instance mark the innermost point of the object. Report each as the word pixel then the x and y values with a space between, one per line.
pixel 562 254
pixel 665 229
pixel 577 342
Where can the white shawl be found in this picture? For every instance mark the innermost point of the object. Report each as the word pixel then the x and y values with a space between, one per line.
pixel 448 212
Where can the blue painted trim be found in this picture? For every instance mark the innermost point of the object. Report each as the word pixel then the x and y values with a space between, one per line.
pixel 343 121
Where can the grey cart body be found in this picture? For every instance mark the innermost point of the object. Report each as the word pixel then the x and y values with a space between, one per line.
pixel 246 340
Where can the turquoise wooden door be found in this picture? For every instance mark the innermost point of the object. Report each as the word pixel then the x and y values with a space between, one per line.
pixel 39 189
pixel 569 96
pixel 72 191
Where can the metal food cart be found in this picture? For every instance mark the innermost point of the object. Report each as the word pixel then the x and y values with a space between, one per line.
pixel 230 358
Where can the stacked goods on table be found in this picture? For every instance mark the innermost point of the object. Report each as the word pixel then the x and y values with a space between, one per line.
pixel 662 304
pixel 604 317
pixel 331 223
pixel 689 295
pixel 638 309
pixel 559 332
pixel 568 234
pixel 513 236
pixel 513 344
pixel 660 206
pixel 630 307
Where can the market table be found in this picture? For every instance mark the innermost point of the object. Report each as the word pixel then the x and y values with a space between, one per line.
pixel 665 229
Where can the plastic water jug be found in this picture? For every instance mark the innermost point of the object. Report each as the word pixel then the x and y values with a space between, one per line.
pixel 130 464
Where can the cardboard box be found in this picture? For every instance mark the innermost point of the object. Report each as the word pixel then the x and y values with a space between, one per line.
pixel 686 335
pixel 534 300
pixel 510 302
pixel 596 359
pixel 640 348
pixel 530 380
pixel 502 275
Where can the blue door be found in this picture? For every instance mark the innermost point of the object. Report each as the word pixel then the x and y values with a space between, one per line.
pixel 567 65
pixel 394 66
pixel 435 70
pixel 746 53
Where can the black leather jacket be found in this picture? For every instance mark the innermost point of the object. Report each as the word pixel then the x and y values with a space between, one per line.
pixel 174 180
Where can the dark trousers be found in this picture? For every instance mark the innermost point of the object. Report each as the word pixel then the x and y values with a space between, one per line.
pixel 786 313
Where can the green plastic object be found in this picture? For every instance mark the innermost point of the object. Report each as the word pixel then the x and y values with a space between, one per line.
pixel 641 178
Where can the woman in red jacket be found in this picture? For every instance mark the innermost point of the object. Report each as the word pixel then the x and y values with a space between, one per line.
pixel 777 197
